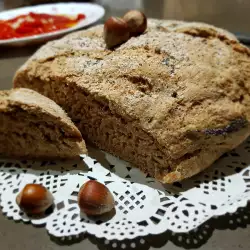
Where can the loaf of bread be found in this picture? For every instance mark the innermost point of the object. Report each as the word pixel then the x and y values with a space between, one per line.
pixel 34 127
pixel 170 101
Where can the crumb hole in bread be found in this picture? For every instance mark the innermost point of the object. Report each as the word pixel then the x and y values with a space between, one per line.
pixel 141 83
pixel 174 94
pixel 150 119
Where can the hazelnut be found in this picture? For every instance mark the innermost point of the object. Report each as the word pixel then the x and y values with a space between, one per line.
pixel 137 22
pixel 34 199
pixel 116 31
pixel 94 198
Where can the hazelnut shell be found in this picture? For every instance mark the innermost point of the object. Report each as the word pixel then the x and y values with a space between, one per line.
pixel 94 198
pixel 137 22
pixel 34 199
pixel 116 32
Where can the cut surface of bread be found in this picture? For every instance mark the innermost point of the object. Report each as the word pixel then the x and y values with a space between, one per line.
pixel 171 101
pixel 34 127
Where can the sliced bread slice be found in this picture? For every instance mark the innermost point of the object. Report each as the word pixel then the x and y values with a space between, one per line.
pixel 33 126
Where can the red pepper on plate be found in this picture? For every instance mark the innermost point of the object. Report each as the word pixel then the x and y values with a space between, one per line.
pixel 35 24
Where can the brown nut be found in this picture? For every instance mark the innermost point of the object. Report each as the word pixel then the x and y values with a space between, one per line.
pixel 116 32
pixel 137 22
pixel 34 199
pixel 94 198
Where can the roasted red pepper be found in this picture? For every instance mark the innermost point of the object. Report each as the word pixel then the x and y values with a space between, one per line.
pixel 34 24
pixel 6 31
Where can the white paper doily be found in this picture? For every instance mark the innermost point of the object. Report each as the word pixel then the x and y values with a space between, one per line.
pixel 143 205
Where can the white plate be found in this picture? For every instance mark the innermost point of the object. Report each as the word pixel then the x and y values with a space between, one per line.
pixel 93 13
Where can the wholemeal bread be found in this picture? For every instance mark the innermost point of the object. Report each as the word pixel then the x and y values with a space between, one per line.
pixel 34 127
pixel 170 101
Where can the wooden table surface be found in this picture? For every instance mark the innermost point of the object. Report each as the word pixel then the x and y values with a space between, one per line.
pixel 230 232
